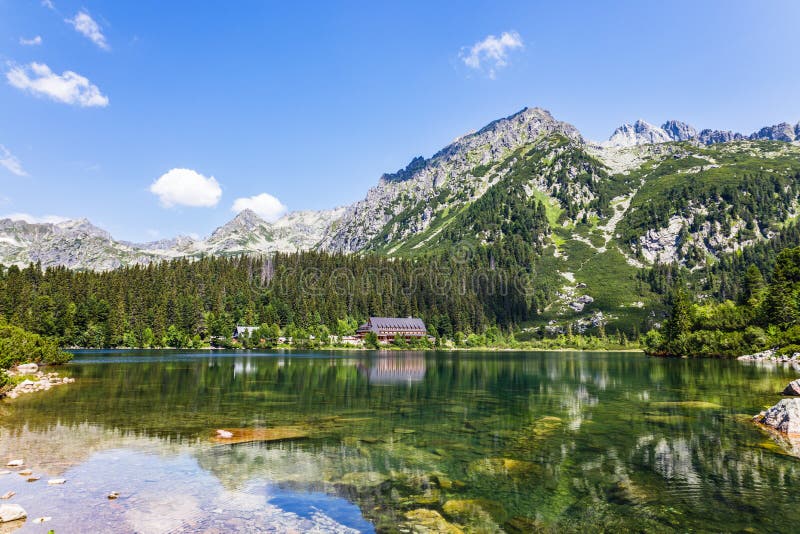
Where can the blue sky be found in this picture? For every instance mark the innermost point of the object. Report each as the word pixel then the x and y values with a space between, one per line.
pixel 310 103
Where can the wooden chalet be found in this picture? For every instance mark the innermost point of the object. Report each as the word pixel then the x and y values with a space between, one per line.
pixel 387 328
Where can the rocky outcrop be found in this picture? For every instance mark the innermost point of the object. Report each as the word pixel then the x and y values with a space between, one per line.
pixel 639 133
pixel 793 388
pixel 783 417
pixel 679 131
pixel 778 132
pixel 710 137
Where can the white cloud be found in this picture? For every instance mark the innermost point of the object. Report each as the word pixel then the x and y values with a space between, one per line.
pixel 11 162
pixel 491 53
pixel 265 205
pixel 32 219
pixel 68 87
pixel 86 26
pixel 49 4
pixel 31 42
pixel 185 187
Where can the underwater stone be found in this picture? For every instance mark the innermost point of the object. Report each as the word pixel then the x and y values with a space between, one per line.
pixel 431 521
pixel 11 512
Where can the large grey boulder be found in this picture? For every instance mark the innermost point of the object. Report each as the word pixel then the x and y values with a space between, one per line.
pixel 783 417
pixel 793 388
pixel 11 512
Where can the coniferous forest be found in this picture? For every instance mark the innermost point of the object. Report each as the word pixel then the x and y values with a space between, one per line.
pixel 186 303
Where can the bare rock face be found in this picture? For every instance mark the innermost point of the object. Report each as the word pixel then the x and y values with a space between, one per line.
pixel 793 388
pixel 778 132
pixel 783 417
pixel 710 137
pixel 679 131
pixel 639 133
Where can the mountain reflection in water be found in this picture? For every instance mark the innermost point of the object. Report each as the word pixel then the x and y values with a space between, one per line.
pixel 386 440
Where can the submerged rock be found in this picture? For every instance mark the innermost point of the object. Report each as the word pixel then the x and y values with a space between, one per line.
pixel 7 495
pixel 248 435
pixel 468 510
pixel 428 521
pixel 11 512
pixel 113 495
pixel 503 467
pixel 783 417
pixel 793 388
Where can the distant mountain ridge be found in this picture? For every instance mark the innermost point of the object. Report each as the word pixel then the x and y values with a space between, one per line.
pixel 643 133
pixel 78 244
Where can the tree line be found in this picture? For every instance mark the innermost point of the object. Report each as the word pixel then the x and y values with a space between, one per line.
pixel 188 302
pixel 765 314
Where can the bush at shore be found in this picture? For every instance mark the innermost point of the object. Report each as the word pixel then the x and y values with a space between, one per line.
pixel 20 346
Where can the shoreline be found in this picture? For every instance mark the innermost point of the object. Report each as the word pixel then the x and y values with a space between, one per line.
pixel 32 380
pixel 361 349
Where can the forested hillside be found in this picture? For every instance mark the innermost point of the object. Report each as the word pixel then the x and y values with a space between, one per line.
pixel 765 315
pixel 183 302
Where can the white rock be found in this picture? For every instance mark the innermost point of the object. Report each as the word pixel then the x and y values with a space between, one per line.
pixel 42 519
pixel 15 463
pixel 56 481
pixel 224 434
pixel 11 512
pixel 27 368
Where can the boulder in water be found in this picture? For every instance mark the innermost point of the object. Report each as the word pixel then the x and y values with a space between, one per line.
pixel 783 417
pixel 793 388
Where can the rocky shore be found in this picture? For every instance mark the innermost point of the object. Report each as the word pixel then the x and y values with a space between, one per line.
pixel 34 380
pixel 771 356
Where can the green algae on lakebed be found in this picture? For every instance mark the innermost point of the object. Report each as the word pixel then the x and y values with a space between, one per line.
pixel 515 442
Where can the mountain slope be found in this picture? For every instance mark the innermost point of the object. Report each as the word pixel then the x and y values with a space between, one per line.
pixel 414 197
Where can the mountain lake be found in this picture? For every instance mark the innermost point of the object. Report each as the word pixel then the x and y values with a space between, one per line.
pixel 396 441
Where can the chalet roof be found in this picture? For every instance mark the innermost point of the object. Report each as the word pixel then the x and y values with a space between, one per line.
pixel 397 323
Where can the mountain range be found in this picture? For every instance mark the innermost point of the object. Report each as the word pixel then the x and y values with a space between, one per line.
pixel 649 195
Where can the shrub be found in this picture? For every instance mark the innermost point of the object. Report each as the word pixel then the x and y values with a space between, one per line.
pixel 20 346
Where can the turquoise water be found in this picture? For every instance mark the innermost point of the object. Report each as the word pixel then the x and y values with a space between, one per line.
pixel 365 442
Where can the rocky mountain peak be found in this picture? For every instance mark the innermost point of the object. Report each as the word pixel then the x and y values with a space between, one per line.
pixel 678 130
pixel 778 132
pixel 640 132
pixel 245 220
